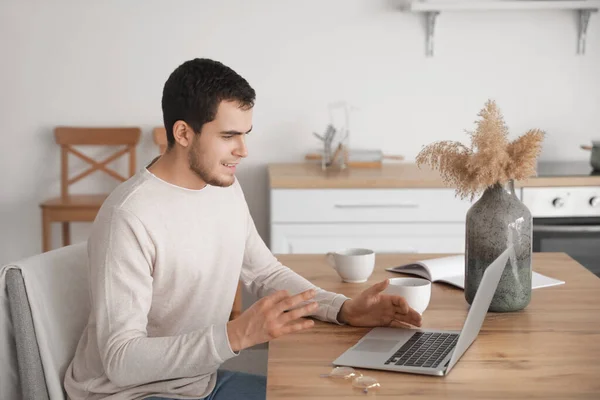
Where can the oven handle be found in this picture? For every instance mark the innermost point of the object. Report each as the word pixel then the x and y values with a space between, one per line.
pixel 567 228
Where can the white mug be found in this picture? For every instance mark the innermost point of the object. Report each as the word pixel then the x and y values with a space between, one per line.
pixel 416 291
pixel 352 265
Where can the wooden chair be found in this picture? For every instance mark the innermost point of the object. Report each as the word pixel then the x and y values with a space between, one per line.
pixel 159 135
pixel 160 138
pixel 81 208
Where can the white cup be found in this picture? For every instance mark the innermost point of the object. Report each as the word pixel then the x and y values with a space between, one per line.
pixel 352 265
pixel 416 291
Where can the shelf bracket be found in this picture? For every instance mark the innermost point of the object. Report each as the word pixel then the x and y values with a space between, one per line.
pixel 431 20
pixel 584 19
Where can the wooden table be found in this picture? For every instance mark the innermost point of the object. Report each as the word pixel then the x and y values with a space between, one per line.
pixel 550 350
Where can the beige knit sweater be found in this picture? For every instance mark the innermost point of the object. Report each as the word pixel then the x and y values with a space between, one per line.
pixel 164 265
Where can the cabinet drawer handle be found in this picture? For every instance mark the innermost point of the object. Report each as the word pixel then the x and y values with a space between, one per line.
pixel 366 205
pixel 567 228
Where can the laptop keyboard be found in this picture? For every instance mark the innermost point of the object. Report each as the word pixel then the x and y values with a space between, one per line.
pixel 424 349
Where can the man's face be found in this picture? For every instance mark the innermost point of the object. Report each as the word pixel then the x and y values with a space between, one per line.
pixel 216 151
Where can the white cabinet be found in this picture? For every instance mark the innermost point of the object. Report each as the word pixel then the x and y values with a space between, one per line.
pixel 380 237
pixel 366 205
pixel 415 220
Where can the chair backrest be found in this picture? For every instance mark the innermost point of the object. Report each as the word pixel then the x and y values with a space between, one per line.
pixel 160 138
pixel 57 291
pixel 68 137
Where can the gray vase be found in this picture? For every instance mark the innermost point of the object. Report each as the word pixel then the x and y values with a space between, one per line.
pixel 496 220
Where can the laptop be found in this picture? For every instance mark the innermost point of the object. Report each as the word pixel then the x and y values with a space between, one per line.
pixel 424 351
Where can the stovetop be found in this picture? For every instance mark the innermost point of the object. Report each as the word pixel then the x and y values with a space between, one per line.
pixel 565 168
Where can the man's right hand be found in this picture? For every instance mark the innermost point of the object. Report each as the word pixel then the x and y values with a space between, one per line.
pixel 267 319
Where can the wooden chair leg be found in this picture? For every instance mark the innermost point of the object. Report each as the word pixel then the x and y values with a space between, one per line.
pixel 66 233
pixel 46 231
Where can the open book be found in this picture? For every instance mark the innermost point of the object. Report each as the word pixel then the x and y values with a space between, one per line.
pixel 452 270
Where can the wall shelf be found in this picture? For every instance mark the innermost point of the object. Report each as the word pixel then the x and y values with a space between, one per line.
pixel 432 9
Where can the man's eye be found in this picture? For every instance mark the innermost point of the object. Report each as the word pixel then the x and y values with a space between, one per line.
pixel 227 136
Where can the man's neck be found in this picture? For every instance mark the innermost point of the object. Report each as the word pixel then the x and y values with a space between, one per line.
pixel 176 171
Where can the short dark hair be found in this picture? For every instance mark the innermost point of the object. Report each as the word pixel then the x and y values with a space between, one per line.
pixel 194 91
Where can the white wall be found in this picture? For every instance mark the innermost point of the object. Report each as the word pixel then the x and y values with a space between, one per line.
pixel 104 63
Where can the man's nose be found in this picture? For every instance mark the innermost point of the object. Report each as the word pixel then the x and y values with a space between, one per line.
pixel 241 150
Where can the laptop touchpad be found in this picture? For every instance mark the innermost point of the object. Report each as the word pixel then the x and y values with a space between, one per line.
pixel 376 345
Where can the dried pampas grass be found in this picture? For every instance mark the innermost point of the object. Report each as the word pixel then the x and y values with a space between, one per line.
pixel 491 159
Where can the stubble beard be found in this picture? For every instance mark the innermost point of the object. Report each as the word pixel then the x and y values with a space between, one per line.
pixel 205 173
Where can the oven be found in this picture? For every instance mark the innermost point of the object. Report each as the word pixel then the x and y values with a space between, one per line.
pixel 566 219
pixel 578 237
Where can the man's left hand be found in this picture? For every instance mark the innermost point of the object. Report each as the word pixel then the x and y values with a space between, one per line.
pixel 374 308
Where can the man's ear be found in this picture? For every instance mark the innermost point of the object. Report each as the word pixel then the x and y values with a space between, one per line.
pixel 183 133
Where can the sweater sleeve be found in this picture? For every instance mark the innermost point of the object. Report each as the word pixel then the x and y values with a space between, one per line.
pixel 121 254
pixel 263 274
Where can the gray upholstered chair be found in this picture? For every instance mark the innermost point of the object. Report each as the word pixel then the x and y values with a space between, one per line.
pixel 49 306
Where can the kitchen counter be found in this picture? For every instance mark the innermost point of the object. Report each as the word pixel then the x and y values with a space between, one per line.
pixel 393 175
pixel 402 208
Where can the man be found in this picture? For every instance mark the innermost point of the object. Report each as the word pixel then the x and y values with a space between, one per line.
pixel 166 252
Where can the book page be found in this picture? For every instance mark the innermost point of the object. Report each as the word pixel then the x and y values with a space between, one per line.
pixel 446 267
pixel 451 270
pixel 412 269
pixel 436 269
pixel 458 281
pixel 540 281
